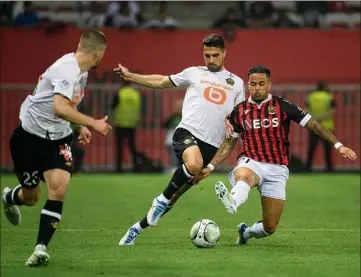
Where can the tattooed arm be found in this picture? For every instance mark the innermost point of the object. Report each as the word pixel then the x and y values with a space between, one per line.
pixel 327 135
pixel 222 153
pixel 321 131
pixel 224 150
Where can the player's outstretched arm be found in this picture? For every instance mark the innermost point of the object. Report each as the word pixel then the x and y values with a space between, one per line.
pixel 63 109
pixel 327 135
pixel 150 81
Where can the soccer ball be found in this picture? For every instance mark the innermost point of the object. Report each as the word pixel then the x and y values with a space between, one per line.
pixel 205 233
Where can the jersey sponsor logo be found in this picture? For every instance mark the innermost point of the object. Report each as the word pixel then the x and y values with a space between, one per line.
pixel 260 123
pixel 271 109
pixel 230 81
pixel 214 84
pixel 215 95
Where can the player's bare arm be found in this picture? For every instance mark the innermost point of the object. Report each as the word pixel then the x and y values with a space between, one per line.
pixel 222 153
pixel 63 109
pixel 224 150
pixel 327 135
pixel 150 81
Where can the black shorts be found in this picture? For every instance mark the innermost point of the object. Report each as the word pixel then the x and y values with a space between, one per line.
pixel 182 139
pixel 33 155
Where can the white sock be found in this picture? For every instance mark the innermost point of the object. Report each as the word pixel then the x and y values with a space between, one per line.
pixel 137 226
pixel 255 231
pixel 162 198
pixel 240 192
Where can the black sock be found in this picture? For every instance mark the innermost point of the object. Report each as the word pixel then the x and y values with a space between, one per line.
pixel 144 223
pixel 49 220
pixel 12 197
pixel 180 177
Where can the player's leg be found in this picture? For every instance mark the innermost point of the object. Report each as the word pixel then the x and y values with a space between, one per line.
pixel 119 137
pixel 327 147
pixel 176 188
pixel 273 195
pixel 57 168
pixel 313 140
pixel 243 178
pixel 132 147
pixel 138 227
pixel 186 144
pixel 24 152
pixel 272 209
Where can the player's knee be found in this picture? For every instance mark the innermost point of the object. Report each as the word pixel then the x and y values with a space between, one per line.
pixel 194 166
pixel 244 175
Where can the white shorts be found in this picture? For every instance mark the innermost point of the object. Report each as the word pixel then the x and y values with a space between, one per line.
pixel 272 177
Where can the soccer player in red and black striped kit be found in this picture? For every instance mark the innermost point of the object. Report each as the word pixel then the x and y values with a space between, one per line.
pixel 263 123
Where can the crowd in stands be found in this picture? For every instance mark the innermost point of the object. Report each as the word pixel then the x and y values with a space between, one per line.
pixel 228 16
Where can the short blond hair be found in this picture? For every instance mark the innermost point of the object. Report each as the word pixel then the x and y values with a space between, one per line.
pixel 92 40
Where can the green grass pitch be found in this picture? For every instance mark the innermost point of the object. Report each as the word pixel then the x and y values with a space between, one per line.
pixel 319 233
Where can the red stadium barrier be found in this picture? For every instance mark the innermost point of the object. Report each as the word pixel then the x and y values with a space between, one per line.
pixel 295 57
pixel 157 105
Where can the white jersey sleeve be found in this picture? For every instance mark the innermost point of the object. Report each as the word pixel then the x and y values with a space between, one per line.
pixel 181 79
pixel 65 80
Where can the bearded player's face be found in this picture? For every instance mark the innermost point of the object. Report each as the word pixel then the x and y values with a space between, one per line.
pixel 259 86
pixel 213 58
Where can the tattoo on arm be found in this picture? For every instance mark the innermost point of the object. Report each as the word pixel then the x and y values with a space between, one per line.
pixel 321 131
pixel 224 150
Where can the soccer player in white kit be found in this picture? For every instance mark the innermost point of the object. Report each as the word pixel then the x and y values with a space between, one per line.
pixel 212 93
pixel 41 145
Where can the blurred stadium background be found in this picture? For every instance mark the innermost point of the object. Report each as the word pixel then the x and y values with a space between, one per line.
pixel 302 43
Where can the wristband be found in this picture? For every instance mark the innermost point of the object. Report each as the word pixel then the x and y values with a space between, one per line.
pixel 211 167
pixel 338 145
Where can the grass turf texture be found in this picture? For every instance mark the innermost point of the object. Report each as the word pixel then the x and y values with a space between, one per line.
pixel 319 233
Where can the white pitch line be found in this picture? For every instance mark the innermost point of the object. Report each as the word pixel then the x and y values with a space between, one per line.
pixel 226 229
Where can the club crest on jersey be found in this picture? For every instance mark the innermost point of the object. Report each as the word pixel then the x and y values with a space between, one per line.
pixel 271 109
pixel 230 81
pixel 64 84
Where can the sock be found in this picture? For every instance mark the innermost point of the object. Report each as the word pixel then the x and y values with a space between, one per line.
pixel 12 197
pixel 240 192
pixel 256 231
pixel 143 223
pixel 180 177
pixel 49 220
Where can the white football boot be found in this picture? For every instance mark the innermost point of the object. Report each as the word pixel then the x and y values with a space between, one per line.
pixel 39 258
pixel 12 212
pixel 225 197
pixel 129 237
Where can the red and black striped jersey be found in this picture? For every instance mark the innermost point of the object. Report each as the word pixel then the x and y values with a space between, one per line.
pixel 264 128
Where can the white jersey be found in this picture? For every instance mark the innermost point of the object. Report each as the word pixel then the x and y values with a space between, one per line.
pixel 209 98
pixel 37 111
